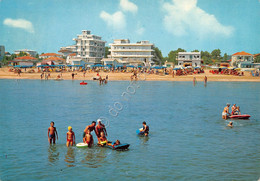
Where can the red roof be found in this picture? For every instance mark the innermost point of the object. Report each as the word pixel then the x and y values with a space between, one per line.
pixel 72 54
pixel 26 58
pixel 242 53
pixel 50 54
pixel 54 59
pixel 256 55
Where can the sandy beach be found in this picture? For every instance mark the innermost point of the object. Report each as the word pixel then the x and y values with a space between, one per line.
pixel 5 74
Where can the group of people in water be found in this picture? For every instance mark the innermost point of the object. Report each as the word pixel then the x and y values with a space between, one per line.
pixel 99 129
pixel 235 110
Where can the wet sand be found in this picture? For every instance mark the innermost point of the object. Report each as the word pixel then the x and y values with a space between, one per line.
pixel 5 74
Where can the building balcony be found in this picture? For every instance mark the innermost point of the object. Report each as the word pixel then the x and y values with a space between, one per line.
pixel 131 50
pixel 131 56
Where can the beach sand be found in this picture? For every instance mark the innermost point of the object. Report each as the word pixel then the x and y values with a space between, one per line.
pixel 5 74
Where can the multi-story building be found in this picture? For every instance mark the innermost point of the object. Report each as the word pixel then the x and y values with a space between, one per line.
pixel 189 59
pixel 89 48
pixel 240 58
pixel 29 52
pixel 48 55
pixel 2 52
pixel 132 53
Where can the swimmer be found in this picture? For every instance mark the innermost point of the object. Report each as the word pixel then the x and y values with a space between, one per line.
pixel 52 132
pixel 145 129
pixel 230 124
pixel 70 137
pixel 225 112
pixel 91 128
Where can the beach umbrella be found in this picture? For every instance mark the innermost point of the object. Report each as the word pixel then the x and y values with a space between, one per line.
pixel 139 66
pixel 130 66
pixel 17 66
pixel 119 66
pixel 164 67
pixel 177 68
pixel 224 68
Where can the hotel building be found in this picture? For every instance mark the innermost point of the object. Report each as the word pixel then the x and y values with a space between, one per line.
pixel 29 52
pixel 189 59
pixel 139 53
pixel 89 48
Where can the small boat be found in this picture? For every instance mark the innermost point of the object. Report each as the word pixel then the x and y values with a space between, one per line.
pixel 82 145
pixel 83 83
pixel 243 116
pixel 122 146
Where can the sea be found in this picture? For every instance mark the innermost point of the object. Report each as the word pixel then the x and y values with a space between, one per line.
pixel 188 139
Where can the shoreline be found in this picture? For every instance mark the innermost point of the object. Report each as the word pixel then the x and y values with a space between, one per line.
pixel 5 74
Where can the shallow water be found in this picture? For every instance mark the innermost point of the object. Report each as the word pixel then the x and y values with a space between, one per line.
pixel 188 138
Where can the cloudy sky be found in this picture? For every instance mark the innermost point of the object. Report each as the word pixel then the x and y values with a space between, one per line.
pixel 47 25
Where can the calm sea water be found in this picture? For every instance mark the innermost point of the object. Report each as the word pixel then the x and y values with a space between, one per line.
pixel 188 138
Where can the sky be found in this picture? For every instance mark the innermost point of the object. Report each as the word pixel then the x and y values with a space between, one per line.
pixel 46 25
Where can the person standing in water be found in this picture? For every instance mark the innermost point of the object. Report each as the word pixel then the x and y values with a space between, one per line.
pixel 90 128
pixel 225 112
pixel 88 139
pixel 52 132
pixel 205 80
pixel 70 137
pixel 145 129
pixel 100 128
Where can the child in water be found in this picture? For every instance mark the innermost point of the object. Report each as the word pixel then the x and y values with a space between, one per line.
pixel 88 138
pixel 52 132
pixel 70 137
pixel 102 140
pixel 230 124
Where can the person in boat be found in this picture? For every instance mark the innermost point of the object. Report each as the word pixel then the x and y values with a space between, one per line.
pixel 225 112
pixel 113 144
pixel 102 140
pixel 100 128
pixel 230 124
pixel 145 129
pixel 91 128
pixel 70 137
pixel 237 111
pixel 233 109
pixel 88 138
pixel 52 132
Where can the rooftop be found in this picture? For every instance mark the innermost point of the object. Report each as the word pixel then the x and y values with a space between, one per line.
pixel 26 58
pixel 242 53
pixel 50 54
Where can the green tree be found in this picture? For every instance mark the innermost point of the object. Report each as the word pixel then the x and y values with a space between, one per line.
pixel 21 54
pixel 195 50
pixel 206 57
pixel 225 57
pixel 257 59
pixel 107 52
pixel 216 54
pixel 158 57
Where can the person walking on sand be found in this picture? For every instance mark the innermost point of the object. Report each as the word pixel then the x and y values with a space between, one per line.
pixel 70 137
pixel 52 132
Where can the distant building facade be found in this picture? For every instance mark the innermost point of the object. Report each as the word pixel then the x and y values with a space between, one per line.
pixel 65 51
pixel 89 48
pixel 2 52
pixel 48 55
pixel 189 59
pixel 132 53
pixel 29 52
pixel 242 59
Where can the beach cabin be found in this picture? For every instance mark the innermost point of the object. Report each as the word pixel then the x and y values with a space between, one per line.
pixel 239 57
pixel 23 61
pixel 186 59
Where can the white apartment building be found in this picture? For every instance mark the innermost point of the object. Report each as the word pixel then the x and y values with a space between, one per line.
pixel 65 51
pixel 131 53
pixel 89 48
pixel 189 59
pixel 30 52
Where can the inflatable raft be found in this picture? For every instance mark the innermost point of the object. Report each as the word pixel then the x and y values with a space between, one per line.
pixel 83 83
pixel 82 145
pixel 243 116
pixel 122 146
pixel 138 132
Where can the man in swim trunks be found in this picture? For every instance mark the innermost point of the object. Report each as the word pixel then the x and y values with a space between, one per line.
pixel 91 128
pixel 225 112
pixel 100 128
pixel 145 129
pixel 52 132
pixel 70 137
pixel 88 139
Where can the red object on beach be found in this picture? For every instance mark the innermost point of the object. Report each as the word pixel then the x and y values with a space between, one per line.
pixel 243 116
pixel 83 83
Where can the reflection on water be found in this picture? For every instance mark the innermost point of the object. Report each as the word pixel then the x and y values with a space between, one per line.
pixel 70 157
pixel 95 158
pixel 53 154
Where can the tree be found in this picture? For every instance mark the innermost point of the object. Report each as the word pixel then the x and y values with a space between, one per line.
pixel 158 57
pixel 206 57
pixel 21 54
pixel 225 57
pixel 257 59
pixel 195 50
pixel 107 52
pixel 216 54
